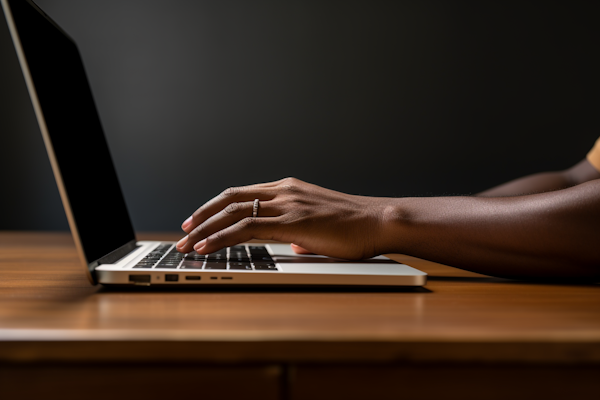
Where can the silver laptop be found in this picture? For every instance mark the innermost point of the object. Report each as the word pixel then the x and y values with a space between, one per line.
pixel 95 206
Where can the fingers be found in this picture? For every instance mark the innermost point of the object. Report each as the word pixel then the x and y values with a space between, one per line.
pixel 262 191
pixel 233 208
pixel 230 215
pixel 242 231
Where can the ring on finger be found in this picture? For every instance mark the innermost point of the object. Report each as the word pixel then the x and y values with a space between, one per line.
pixel 255 208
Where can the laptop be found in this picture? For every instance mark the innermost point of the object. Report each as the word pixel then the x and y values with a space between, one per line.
pixel 95 206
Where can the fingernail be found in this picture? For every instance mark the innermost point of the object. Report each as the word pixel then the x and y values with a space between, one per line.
pixel 187 222
pixel 182 242
pixel 200 245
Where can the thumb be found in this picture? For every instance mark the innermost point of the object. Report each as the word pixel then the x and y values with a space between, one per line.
pixel 300 250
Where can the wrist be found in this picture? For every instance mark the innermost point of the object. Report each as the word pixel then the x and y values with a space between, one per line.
pixel 397 216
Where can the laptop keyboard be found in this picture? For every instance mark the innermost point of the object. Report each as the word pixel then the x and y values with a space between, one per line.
pixel 241 258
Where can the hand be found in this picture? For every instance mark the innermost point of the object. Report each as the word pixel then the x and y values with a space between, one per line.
pixel 316 219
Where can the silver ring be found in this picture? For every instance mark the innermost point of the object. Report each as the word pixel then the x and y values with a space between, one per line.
pixel 255 208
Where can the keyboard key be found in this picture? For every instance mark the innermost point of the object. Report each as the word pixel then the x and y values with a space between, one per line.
pixel 255 253
pixel 172 266
pixel 246 267
pixel 266 259
pixel 257 249
pixel 265 267
pixel 239 259
pixel 260 252
pixel 186 264
pixel 167 260
pixel 238 254
pixel 170 261
pixel 213 265
pixel 240 265
pixel 217 261
pixel 264 262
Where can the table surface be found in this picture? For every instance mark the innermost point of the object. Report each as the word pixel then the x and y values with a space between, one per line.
pixel 49 311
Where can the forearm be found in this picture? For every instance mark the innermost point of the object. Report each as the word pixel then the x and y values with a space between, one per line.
pixel 546 181
pixel 546 235
pixel 537 183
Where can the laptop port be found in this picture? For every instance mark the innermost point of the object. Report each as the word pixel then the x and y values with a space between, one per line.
pixel 227 277
pixel 192 278
pixel 171 278
pixel 139 278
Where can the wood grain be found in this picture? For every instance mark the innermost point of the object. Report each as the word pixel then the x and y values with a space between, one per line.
pixel 49 311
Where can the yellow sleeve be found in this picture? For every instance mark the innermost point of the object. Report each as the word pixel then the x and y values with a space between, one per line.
pixel 594 155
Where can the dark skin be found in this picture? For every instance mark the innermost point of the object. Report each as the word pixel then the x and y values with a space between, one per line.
pixel 543 226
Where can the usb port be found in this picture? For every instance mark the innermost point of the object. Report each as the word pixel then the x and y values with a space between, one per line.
pixel 171 278
pixel 192 278
pixel 227 277
pixel 139 278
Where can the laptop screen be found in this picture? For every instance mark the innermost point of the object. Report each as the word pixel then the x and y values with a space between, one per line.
pixel 81 151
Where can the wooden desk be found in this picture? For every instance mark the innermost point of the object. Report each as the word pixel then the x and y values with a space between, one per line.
pixel 466 337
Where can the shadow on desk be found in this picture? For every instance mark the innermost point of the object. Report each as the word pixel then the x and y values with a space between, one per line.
pixel 484 279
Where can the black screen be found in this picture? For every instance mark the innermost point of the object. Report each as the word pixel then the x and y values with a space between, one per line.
pixel 73 124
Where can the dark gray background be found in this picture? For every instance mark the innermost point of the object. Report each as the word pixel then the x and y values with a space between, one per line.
pixel 382 98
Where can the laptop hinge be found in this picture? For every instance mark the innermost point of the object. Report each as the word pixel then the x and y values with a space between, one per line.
pixel 114 256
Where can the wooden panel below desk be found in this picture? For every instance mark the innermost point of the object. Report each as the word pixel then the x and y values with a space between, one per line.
pixel 160 381
pixel 435 382
pixel 138 381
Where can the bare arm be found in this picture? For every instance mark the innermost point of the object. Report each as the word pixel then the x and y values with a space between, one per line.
pixel 545 181
pixel 552 234
pixel 548 235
